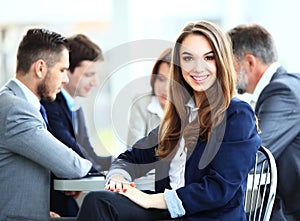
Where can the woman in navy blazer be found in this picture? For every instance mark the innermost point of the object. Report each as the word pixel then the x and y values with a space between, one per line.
pixel 202 151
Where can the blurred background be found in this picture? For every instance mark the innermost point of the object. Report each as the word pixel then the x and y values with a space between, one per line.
pixel 132 33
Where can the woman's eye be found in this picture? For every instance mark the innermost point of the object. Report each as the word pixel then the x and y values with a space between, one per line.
pixel 161 78
pixel 187 58
pixel 89 74
pixel 209 58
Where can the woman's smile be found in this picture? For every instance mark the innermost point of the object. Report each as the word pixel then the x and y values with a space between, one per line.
pixel 200 79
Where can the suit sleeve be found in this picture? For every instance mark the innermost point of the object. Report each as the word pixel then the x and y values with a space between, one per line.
pixel 27 136
pixel 278 114
pixel 63 131
pixel 140 159
pixel 100 163
pixel 225 177
pixel 60 127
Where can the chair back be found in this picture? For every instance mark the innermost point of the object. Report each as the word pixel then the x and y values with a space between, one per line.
pixel 261 187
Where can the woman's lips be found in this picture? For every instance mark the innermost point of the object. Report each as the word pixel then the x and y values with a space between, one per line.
pixel 200 78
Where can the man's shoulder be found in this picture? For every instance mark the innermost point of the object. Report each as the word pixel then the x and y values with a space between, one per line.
pixel 285 80
pixel 284 75
pixel 9 98
pixel 11 105
pixel 284 87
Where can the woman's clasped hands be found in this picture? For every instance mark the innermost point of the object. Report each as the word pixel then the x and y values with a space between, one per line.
pixel 120 185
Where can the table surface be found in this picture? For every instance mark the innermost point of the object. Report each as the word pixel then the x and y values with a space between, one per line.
pixel 98 183
pixel 95 183
pixel 83 184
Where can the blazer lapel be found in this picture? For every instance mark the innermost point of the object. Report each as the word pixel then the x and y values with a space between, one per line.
pixel 63 103
pixel 278 72
pixel 71 116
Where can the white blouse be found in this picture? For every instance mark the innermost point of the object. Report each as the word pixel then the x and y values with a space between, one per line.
pixel 177 165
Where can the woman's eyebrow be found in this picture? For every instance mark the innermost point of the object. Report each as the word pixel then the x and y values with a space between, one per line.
pixel 189 53
pixel 186 53
pixel 210 52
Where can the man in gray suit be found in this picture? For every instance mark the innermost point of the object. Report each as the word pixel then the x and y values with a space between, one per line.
pixel 275 96
pixel 28 152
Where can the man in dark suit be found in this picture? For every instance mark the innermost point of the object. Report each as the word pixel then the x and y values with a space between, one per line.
pixel 275 96
pixel 67 123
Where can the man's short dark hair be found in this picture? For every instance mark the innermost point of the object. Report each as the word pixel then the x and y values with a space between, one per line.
pixel 38 44
pixel 82 48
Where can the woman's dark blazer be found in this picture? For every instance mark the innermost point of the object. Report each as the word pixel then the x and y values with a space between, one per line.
pixel 214 191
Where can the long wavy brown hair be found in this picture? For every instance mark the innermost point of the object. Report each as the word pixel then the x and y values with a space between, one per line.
pixel 212 103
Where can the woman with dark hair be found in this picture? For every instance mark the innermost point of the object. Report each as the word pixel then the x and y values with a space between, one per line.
pixel 147 109
pixel 202 151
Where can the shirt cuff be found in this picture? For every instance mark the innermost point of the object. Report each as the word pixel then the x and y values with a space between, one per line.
pixel 121 172
pixel 174 204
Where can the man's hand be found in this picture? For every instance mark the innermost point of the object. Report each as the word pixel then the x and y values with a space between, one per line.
pixel 75 194
pixel 54 215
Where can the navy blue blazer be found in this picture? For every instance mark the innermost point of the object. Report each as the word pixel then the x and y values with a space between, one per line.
pixel 216 191
pixel 61 124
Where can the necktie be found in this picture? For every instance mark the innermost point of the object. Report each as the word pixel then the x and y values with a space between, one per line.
pixel 44 115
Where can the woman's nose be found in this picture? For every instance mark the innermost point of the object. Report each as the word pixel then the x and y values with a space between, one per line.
pixel 200 66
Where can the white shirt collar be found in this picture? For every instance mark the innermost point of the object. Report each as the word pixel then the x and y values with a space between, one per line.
pixel 264 81
pixel 192 110
pixel 30 96
pixel 155 107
